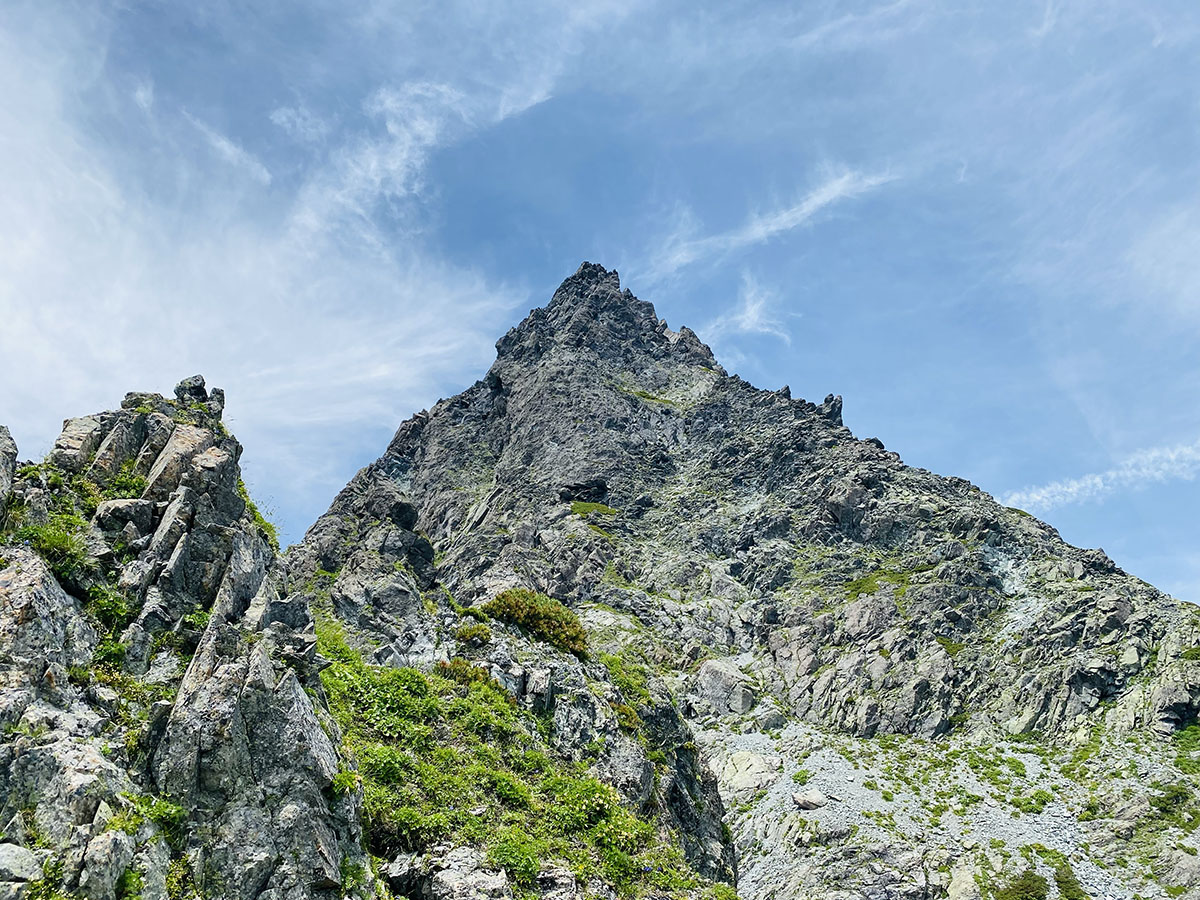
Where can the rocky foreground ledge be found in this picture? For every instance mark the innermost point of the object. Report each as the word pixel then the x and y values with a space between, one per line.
pixel 611 622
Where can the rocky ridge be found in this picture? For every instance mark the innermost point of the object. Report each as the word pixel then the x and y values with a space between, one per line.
pixel 610 620
pixel 158 739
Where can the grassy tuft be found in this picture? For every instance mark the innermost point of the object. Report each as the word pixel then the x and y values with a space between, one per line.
pixel 266 529
pixel 1029 885
pixel 127 484
pixel 60 543
pixel 455 760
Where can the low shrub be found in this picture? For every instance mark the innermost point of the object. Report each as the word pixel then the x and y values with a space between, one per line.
pixel 1172 798
pixel 516 853
pixel 1029 885
pixel 1069 887
pixel 627 718
pixel 109 606
pixel 473 634
pixel 461 671
pixel 544 618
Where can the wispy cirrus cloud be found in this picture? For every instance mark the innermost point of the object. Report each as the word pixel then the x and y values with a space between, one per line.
pixel 226 149
pixel 143 95
pixel 1180 462
pixel 852 29
pixel 314 304
pixel 756 313
pixel 682 249
pixel 301 123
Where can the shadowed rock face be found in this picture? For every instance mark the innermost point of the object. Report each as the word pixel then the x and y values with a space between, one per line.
pixel 821 672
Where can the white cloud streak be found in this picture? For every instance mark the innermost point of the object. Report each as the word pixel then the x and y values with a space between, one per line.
pixel 325 318
pixel 682 249
pixel 231 152
pixel 143 96
pixel 754 314
pixel 1157 465
pixel 301 123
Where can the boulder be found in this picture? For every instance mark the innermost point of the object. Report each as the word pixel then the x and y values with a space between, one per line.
pixel 185 443
pixel 809 799
pixel 556 883
pixel 18 864
pixel 79 439
pixel 745 772
pixel 191 390
pixel 724 687
pixel 113 515
pixel 39 621
pixel 461 875
pixel 120 444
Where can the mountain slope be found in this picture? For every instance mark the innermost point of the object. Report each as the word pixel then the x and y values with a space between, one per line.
pixel 770 569
pixel 609 620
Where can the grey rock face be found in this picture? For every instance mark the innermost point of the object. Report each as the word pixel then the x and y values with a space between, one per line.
pixel 40 624
pixel 8 467
pixel 153 687
pixel 810 799
pixel 823 673
pixel 724 688
pixel 18 864
pixel 78 442
pixel 773 567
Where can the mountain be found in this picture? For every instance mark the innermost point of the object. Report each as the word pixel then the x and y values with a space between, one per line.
pixel 611 622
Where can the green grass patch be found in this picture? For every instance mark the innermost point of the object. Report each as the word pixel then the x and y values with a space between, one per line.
pixel 1033 803
pixel 869 584
pixel 629 677
pixel 646 395
pixel 60 543
pixel 1187 742
pixel 584 508
pixel 167 816
pixel 1069 887
pixel 126 484
pixel 473 634
pixel 952 647
pixel 455 760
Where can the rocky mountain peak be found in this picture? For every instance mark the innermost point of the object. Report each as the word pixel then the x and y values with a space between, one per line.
pixel 590 314
pixel 609 623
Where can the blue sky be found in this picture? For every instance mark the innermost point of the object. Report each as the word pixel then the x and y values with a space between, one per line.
pixel 978 222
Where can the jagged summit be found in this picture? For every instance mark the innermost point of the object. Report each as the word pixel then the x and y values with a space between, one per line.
pixel 591 313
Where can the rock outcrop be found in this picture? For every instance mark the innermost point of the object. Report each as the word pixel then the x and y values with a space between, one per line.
pixel 609 621
pixel 158 737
